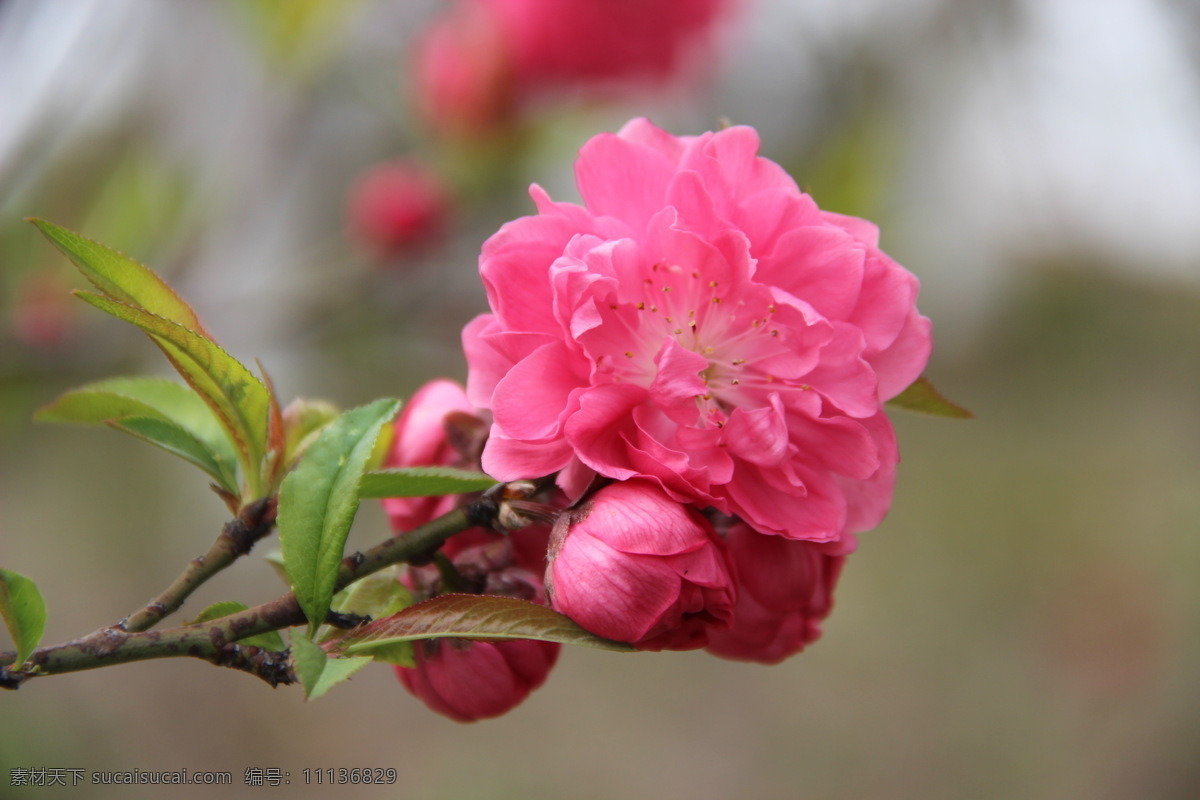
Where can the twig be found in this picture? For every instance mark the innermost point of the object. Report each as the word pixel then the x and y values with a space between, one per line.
pixel 237 538
pixel 214 641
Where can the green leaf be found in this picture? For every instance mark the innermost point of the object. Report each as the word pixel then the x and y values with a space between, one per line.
pixel 318 501
pixel 317 672
pixel 274 559
pixel 118 399
pixel 480 617
pixel 271 640
pixel 121 278
pixel 921 396
pixel 399 654
pixel 24 612
pixel 240 400
pixel 423 482
pixel 302 419
pixel 376 596
pixel 176 440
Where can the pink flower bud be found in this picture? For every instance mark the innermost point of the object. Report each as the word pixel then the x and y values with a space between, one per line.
pixel 421 439
pixel 395 206
pixel 785 590
pixel 468 680
pixel 632 564
pixel 439 427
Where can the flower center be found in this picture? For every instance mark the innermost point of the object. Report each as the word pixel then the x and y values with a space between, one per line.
pixel 732 330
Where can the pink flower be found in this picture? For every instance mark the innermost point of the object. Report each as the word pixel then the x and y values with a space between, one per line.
pixel 785 590
pixel 467 680
pixel 699 323
pixel 397 205
pixel 633 565
pixel 484 59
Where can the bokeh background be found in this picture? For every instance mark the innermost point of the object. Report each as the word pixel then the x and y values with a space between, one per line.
pixel 1026 622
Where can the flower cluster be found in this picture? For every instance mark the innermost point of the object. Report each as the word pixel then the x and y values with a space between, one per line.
pixel 700 355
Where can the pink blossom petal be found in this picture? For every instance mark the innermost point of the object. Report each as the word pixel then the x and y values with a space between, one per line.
pixel 703 566
pixel 515 267
pixel 843 377
pixel 636 596
pixel 575 478
pixel 694 266
pixel 707 455
pixel 903 362
pixel 758 435
pixel 868 501
pixel 766 215
pixel 888 294
pixel 656 451
pixel 735 152
pixel 485 366
pixel 622 179
pixel 814 511
pixel 513 460
pixel 690 199
pixel 862 230
pixel 644 132
pixel 526 414
pixel 678 382
pixel 594 430
pixel 491 352
pixel 637 519
pixel 837 444
pixel 474 684
pixel 820 264
pixel 572 214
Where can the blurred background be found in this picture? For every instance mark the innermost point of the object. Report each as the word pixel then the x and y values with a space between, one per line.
pixel 317 176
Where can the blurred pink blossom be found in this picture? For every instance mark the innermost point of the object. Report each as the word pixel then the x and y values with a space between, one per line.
pixel 482 60
pixel 42 314
pixel 395 206
pixel 463 71
pixel 699 323
pixel 632 564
